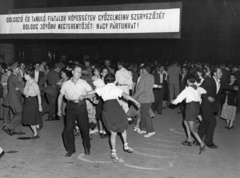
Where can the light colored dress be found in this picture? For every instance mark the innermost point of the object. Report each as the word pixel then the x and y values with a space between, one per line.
pixel 228 112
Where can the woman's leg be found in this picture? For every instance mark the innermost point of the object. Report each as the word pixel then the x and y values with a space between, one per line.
pixel 227 122
pixel 199 117
pixel 113 146
pixel 189 138
pixel 230 123
pixel 113 140
pixel 137 124
pixel 126 148
pixel 34 129
pixel 195 134
pixel 101 129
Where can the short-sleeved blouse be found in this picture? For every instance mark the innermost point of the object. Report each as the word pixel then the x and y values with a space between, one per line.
pixel 109 92
pixel 98 83
pixel 31 89
pixel 73 91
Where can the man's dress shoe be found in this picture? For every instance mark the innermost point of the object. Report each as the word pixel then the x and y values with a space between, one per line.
pixel 196 143
pixel 35 137
pixel 86 151
pixel 69 154
pixel 19 133
pixel 212 146
pixel 1 155
pixel 187 143
pixel 8 131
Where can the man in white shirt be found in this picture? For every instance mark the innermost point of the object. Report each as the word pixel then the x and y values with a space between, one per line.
pixel 75 110
pixel 38 75
pixel 124 82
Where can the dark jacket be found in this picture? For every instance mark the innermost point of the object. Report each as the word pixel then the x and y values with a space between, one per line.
pixel 40 76
pixel 52 78
pixel 157 79
pixel 14 96
pixel 231 94
pixel 182 82
pixel 210 86
pixel 144 89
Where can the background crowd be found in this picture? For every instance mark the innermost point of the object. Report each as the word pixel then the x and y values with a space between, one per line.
pixel 154 85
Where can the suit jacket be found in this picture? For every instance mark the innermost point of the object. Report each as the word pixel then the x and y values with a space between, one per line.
pixel 231 94
pixel 157 80
pixel 52 79
pixel 40 76
pixel 210 86
pixel 144 89
pixel 225 77
pixel 173 74
pixel 14 97
pixel 182 82
pixel 237 73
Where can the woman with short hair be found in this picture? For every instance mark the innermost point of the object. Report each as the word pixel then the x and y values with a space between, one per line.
pixel 230 105
pixel 113 115
pixel 32 104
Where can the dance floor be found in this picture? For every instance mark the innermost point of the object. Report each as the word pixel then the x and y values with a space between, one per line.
pixel 160 156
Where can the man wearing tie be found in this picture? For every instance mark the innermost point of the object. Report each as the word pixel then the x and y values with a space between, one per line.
pixel 38 75
pixel 183 84
pixel 209 107
pixel 158 90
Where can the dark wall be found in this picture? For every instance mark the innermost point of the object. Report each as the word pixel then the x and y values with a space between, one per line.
pixel 210 32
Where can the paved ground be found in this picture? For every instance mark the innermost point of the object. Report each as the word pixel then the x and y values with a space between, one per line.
pixel 161 156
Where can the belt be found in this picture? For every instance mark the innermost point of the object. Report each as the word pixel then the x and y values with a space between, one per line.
pixel 52 85
pixel 30 97
pixel 80 102
pixel 122 84
pixel 157 88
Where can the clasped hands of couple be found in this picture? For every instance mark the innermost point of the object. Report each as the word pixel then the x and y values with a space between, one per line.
pixel 82 97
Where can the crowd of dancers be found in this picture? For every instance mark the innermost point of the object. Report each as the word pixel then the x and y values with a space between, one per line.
pixel 103 98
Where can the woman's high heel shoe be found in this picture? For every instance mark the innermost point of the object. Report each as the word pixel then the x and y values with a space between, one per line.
pixel 127 149
pixel 230 127
pixel 114 157
pixel 35 137
pixel 136 129
pixel 202 149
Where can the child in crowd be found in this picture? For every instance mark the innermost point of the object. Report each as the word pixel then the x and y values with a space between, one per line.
pixel 192 94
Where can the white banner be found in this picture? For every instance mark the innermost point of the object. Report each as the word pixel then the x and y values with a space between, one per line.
pixel 93 22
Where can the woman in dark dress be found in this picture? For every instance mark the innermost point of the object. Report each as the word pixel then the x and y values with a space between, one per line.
pixel 114 117
pixel 32 104
pixel 230 105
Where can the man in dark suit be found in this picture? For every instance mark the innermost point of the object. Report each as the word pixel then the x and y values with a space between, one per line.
pixel 224 80
pixel 38 75
pixel 158 90
pixel 52 78
pixel 14 101
pixel 183 84
pixel 208 107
